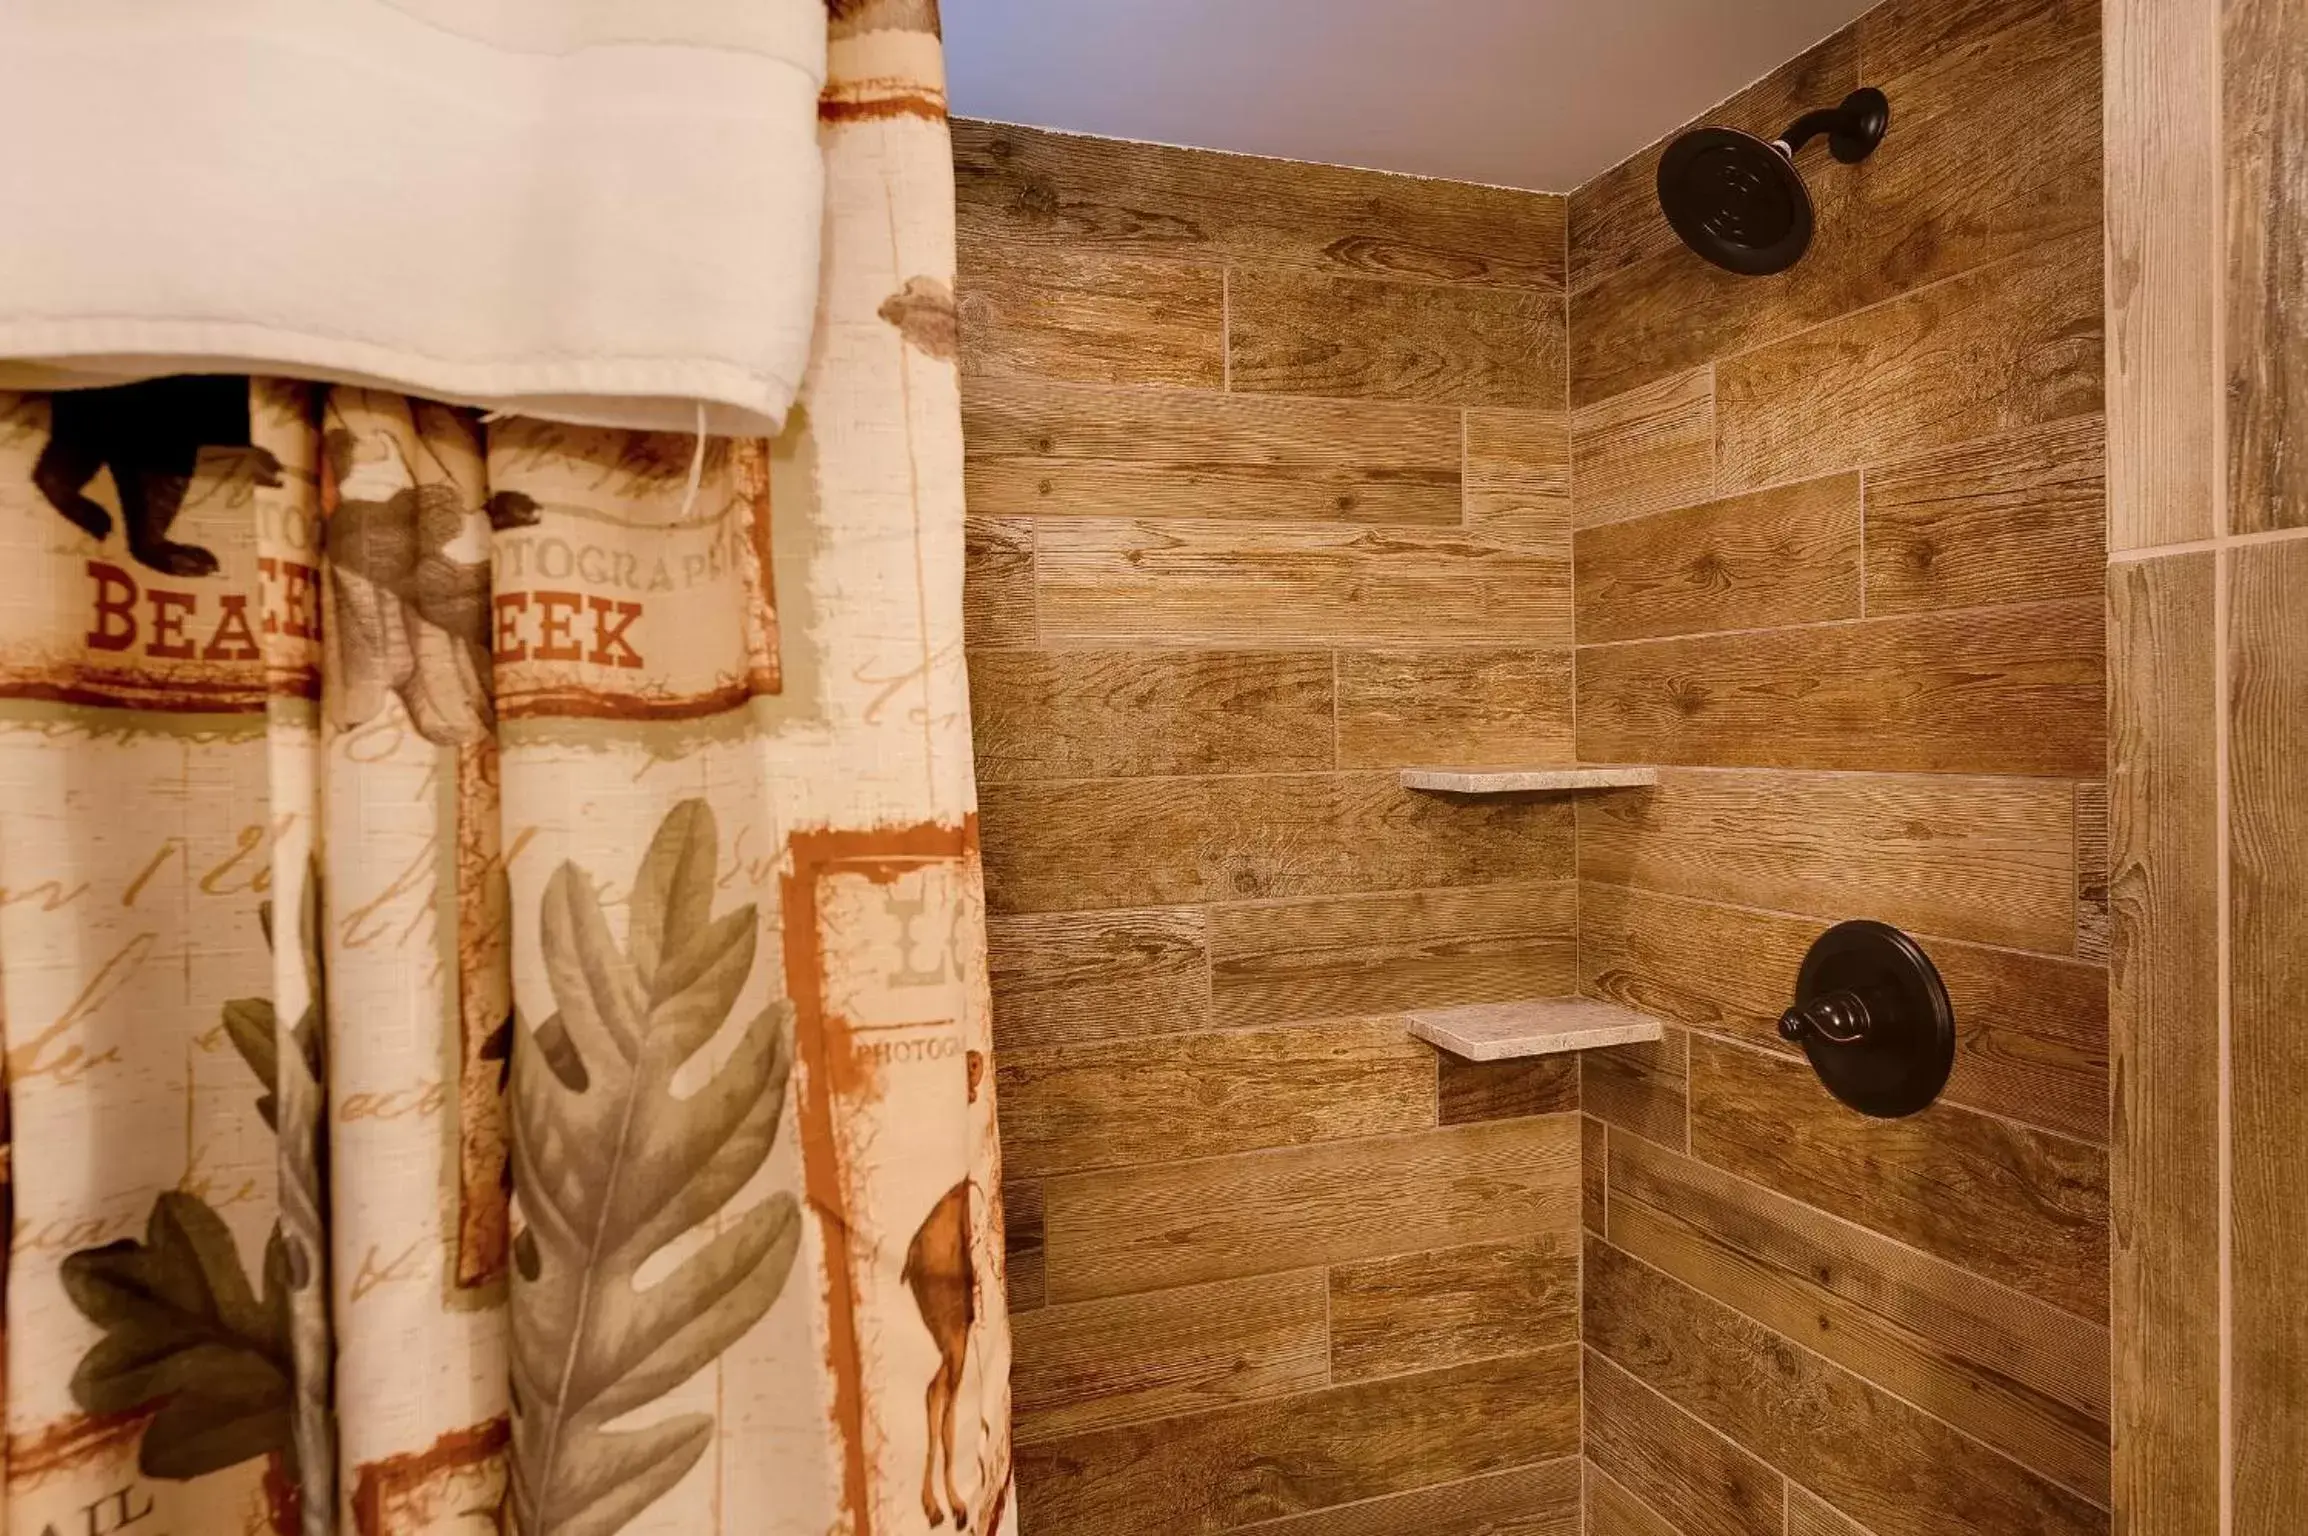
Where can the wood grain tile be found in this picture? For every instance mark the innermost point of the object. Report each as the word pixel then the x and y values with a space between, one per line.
pixel 1158 1098
pixel 1454 708
pixel 2014 1373
pixel 2017 1205
pixel 1542 1500
pixel 1962 78
pixel 1468 1091
pixel 1219 583
pixel 2092 919
pixel 2010 346
pixel 1022 1243
pixel 1908 1475
pixel 1095 1363
pixel 1990 690
pixel 1986 859
pixel 997 581
pixel 1168 842
pixel 1700 1482
pixel 1651 449
pixel 1102 714
pixel 1079 450
pixel 1594 1173
pixel 1211 1472
pixel 1613 1511
pixel 1073 192
pixel 2164 997
pixel 1810 1515
pixel 1043 314
pixel 2266 112
pixel 1640 1088
pixel 1301 333
pixel 1331 956
pixel 1422 1310
pixel 1614 218
pixel 2031 1030
pixel 1064 978
pixel 2019 518
pixel 1518 477
pixel 1789 555
pixel 2268 1057
pixel 1143 1229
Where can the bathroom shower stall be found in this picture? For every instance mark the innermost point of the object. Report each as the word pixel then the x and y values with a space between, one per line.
pixel 1897 477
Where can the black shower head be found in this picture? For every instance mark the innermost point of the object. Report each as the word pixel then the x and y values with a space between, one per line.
pixel 1739 201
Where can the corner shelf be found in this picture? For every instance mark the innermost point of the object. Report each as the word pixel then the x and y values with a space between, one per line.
pixel 1515 781
pixel 1538 1026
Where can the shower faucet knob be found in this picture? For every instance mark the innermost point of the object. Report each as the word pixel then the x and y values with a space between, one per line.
pixel 1838 1017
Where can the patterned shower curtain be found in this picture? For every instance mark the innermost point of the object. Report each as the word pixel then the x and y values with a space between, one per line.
pixel 491 941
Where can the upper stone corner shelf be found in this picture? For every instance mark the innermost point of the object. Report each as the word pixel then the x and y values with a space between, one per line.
pixel 1539 1026
pixel 1509 781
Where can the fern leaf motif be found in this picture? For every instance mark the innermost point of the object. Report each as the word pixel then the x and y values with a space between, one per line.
pixel 610 1168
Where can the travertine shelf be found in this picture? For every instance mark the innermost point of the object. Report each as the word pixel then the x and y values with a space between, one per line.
pixel 1508 781
pixel 1538 1026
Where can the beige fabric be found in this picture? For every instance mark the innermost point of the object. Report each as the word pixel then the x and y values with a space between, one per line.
pixel 603 212
pixel 491 943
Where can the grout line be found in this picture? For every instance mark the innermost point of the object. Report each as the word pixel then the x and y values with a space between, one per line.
pixel 2207 546
pixel 1300 1519
pixel 1034 580
pixel 1226 329
pixel 1863 549
pixel 1628 1493
pixel 1815 624
pixel 1715 434
pixel 2223 598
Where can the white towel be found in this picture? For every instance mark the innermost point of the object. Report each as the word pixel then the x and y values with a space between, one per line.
pixel 597 211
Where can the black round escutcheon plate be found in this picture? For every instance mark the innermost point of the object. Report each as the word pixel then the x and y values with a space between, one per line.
pixel 1874 1017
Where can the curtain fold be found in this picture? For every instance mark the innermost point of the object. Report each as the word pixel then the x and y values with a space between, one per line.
pixel 491 940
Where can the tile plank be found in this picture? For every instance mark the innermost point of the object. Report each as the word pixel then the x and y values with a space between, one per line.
pixel 1422 1310
pixel 2021 1207
pixel 1204 1473
pixel 1594 1173
pixel 1496 1090
pixel 1454 708
pixel 1810 1515
pixel 1091 1364
pixel 2266 46
pixel 2018 518
pixel 1518 477
pixel 1216 583
pixel 1991 860
pixel 1640 1088
pixel 2010 346
pixel 1158 1098
pixel 1104 714
pixel 1300 333
pixel 1076 846
pixel 2268 1057
pixel 1066 978
pixel 1908 1474
pixel 1142 1229
pixel 1541 1500
pixel 1022 1242
pixel 1075 192
pixel 2164 998
pixel 1789 555
pixel 1699 1481
pixel 1613 1511
pixel 1277 961
pixel 2092 918
pixel 1991 690
pixel 997 581
pixel 1042 314
pixel 1040 449
pixel 2031 1030
pixel 1651 449
pixel 2014 1373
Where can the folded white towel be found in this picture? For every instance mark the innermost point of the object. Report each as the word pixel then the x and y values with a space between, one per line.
pixel 597 211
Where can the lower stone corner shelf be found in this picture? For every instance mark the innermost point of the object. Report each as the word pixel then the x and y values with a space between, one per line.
pixel 1514 781
pixel 1538 1026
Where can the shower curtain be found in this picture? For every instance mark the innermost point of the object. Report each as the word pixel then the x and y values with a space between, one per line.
pixel 491 941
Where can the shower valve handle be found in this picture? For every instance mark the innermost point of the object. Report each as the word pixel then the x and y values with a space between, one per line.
pixel 1839 1018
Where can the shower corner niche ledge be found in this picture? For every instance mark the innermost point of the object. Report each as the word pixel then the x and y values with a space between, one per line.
pixel 1523 781
pixel 1538 1026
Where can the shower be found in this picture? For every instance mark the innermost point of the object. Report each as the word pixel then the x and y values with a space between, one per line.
pixel 1739 201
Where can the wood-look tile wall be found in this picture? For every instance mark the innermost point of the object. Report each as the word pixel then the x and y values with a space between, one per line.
pixel 1268 471
pixel 1838 565
pixel 2208 615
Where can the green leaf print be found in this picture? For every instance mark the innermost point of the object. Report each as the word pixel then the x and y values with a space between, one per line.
pixel 183 1327
pixel 610 1168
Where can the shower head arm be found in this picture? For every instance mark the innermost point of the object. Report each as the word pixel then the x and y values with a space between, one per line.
pixel 1853 129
